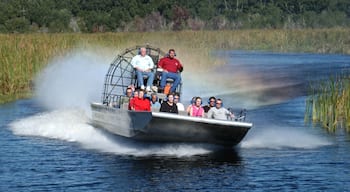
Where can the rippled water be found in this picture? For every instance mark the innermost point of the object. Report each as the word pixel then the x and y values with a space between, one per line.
pixel 46 148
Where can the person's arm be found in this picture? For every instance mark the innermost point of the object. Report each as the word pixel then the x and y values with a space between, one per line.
pixel 134 62
pixel 161 109
pixel 189 109
pixel 131 104
pixel 176 111
pixel 161 64
pixel 148 103
pixel 210 114
pixel 138 69
pixel 180 67
pixel 202 110
pixel 229 113
pixel 151 66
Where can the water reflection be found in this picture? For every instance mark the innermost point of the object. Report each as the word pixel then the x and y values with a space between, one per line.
pixel 227 156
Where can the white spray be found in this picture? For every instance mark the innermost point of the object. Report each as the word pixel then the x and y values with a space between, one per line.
pixel 72 81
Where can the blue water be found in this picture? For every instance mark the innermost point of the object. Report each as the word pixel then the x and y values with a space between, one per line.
pixel 56 149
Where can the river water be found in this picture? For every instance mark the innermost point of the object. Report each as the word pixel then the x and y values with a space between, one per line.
pixel 47 143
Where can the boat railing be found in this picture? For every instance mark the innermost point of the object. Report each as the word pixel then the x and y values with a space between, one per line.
pixel 240 116
pixel 118 101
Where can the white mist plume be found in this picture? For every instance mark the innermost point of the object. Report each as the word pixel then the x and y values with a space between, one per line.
pixel 74 80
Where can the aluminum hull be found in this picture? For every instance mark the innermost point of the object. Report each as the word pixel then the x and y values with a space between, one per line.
pixel 166 127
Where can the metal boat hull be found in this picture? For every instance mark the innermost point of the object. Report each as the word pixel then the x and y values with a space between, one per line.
pixel 166 127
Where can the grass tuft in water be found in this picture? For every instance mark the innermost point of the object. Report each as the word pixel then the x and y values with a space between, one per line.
pixel 329 104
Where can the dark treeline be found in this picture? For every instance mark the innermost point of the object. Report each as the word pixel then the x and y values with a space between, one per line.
pixel 19 16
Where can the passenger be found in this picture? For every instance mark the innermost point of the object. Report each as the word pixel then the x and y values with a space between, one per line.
pixel 180 106
pixel 196 109
pixel 169 106
pixel 219 112
pixel 211 103
pixel 188 109
pixel 170 69
pixel 141 103
pixel 143 65
pixel 154 101
pixel 125 100
pixel 129 92
pixel 132 100
pixel 128 95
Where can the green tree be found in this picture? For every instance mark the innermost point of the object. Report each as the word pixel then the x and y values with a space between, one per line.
pixel 17 24
pixel 60 21
pixel 40 12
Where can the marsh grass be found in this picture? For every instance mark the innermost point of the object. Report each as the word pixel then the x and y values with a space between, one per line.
pixel 22 56
pixel 329 104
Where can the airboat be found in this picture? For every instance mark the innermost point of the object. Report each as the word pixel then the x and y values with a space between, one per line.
pixel 112 115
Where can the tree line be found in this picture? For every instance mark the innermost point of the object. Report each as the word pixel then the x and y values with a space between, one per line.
pixel 21 16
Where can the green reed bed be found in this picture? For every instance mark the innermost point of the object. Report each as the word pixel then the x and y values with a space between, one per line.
pixel 22 56
pixel 329 104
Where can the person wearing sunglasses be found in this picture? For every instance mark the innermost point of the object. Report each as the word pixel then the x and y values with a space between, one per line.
pixel 219 112
pixel 211 103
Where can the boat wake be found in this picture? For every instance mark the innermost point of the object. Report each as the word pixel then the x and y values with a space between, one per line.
pixel 283 138
pixel 72 125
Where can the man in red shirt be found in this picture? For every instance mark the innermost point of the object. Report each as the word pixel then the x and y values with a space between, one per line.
pixel 171 68
pixel 141 103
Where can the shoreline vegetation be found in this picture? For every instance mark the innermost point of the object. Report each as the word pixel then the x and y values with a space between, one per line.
pixel 23 56
pixel 329 104
pixel 92 16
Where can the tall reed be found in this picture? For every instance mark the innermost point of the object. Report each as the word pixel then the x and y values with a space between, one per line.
pixel 22 56
pixel 329 103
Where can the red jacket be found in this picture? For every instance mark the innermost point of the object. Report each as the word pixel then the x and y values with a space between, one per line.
pixel 141 104
pixel 171 65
